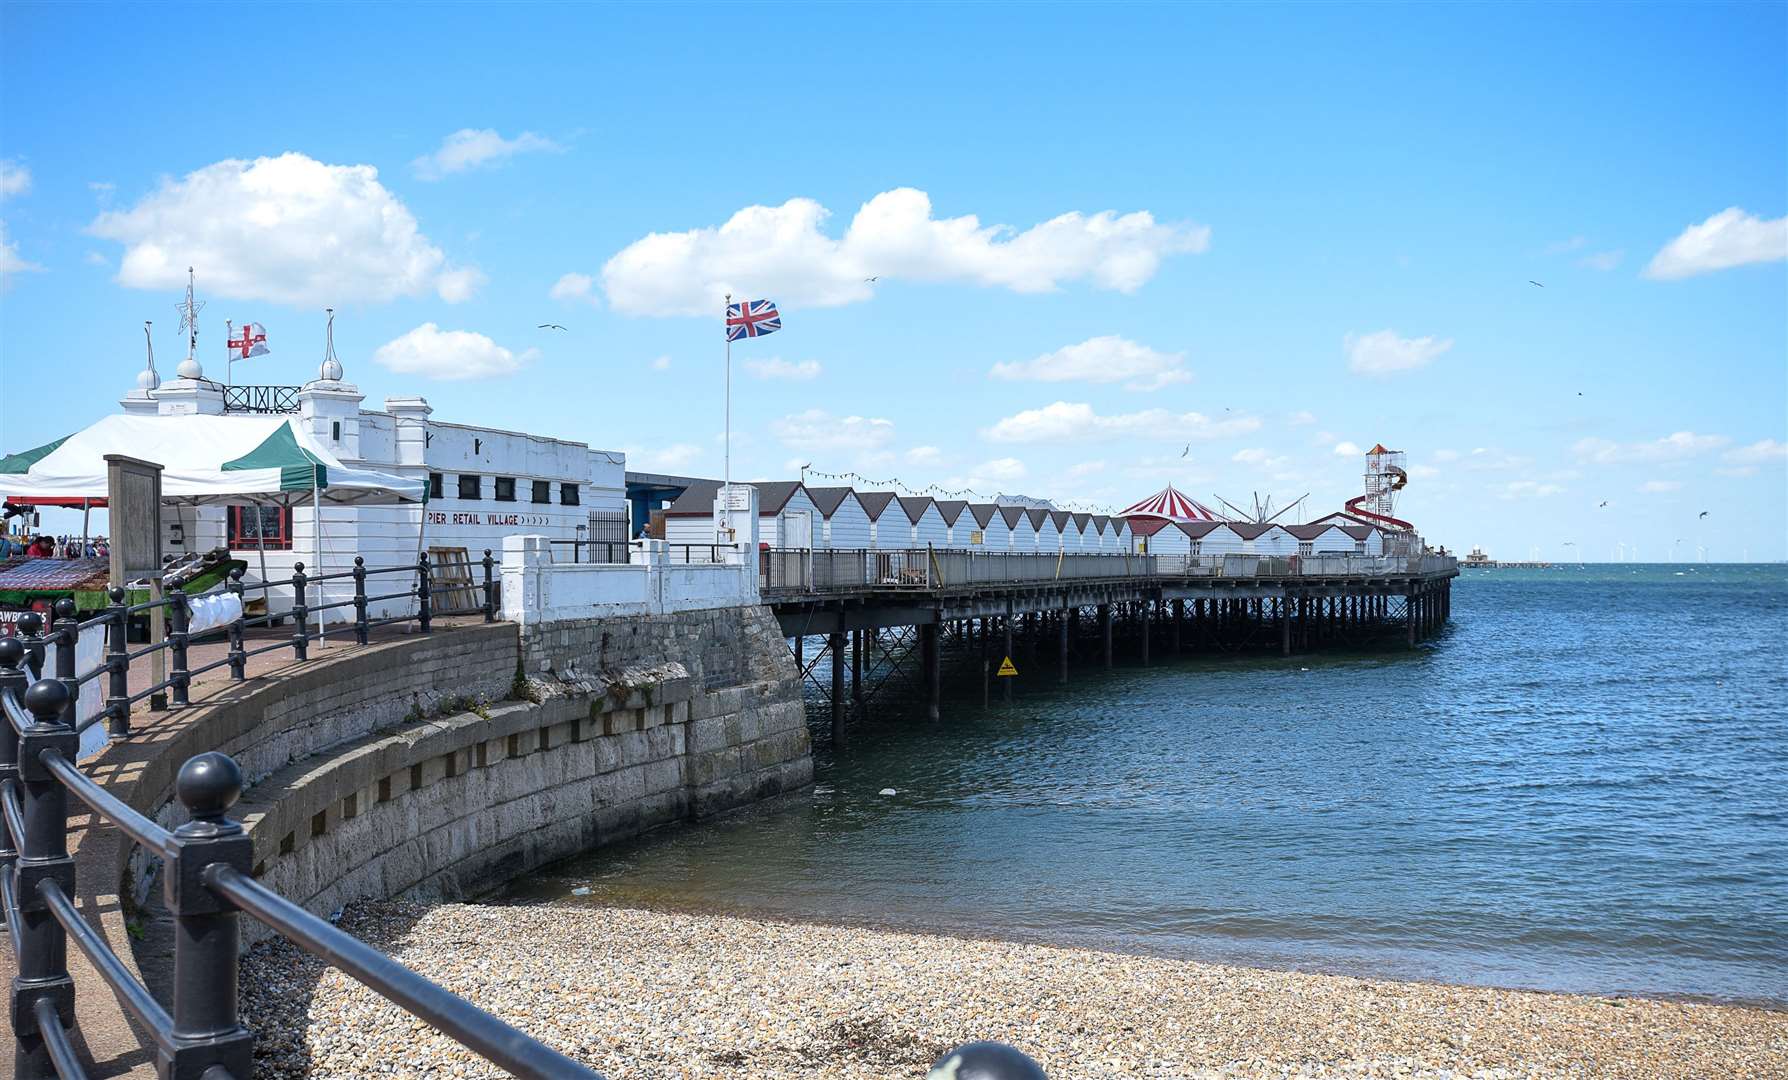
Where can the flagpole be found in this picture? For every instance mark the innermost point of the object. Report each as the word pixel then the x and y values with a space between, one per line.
pixel 229 356
pixel 726 497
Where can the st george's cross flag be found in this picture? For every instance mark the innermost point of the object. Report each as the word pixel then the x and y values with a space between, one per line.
pixel 752 318
pixel 253 341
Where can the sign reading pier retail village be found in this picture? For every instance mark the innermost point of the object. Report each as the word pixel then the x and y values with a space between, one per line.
pixel 133 499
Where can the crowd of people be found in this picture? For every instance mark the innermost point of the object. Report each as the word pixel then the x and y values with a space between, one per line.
pixel 44 546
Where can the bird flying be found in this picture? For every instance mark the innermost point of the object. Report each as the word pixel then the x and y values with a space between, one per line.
pixel 1531 281
pixel 1703 514
pixel 1187 450
pixel 549 326
pixel 872 280
pixel 1604 503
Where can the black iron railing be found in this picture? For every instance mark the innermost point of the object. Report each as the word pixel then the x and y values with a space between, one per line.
pixel 592 551
pixel 261 399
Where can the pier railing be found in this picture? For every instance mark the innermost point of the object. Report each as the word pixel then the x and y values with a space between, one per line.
pixel 800 570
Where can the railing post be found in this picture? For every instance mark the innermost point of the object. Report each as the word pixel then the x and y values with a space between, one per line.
pixel 423 611
pixel 490 587
pixel 179 620
pixel 359 600
pixel 68 632
pixel 238 650
pixel 300 614
pixel 31 634
pixel 118 664
pixel 207 938
pixel 43 856
pixel 13 682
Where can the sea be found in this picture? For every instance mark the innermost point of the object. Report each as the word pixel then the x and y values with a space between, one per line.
pixel 1580 784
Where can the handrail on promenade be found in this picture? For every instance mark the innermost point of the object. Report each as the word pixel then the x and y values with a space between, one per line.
pixel 206 880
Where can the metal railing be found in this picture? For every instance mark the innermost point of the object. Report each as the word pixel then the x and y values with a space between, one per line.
pixel 261 399
pixel 792 570
pixel 592 551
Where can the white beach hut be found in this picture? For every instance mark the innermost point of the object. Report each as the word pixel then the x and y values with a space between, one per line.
pixel 885 531
pixel 987 527
pixel 1021 535
pixel 1049 536
pixel 927 527
pixel 1321 539
pixel 845 524
pixel 952 511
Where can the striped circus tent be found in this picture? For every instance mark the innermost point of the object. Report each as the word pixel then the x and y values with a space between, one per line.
pixel 1170 504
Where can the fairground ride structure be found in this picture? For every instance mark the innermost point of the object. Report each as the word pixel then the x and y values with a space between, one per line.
pixel 1385 476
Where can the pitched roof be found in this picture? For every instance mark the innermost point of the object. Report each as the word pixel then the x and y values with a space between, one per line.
pixel 1310 531
pixel 1170 503
pixel 1249 530
pixel 1198 530
pixel 951 509
pixel 828 499
pixel 876 502
pixel 915 506
pixel 1013 515
pixel 1147 526
pixel 1100 521
pixel 1038 516
pixel 773 496
pixel 697 499
pixel 982 513
pixel 1061 519
pixel 1358 532
pixel 1083 520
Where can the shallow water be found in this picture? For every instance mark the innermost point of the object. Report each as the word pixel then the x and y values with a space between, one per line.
pixel 1581 785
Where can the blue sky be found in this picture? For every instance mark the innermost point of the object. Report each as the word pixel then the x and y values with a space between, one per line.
pixel 1295 229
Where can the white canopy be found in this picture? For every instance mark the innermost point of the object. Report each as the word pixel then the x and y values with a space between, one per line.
pixel 204 459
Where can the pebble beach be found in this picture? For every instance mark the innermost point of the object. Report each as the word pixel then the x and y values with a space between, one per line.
pixel 651 995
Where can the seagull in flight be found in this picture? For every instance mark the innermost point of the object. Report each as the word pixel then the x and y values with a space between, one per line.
pixel 549 326
pixel 1703 514
pixel 1187 450
pixel 1531 281
pixel 1603 503
pixel 872 280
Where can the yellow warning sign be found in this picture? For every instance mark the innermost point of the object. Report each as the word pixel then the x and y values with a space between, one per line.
pixel 1006 667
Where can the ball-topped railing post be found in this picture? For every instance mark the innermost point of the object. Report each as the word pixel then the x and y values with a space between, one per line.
pixel 66 632
pixel 207 939
pixel 985 1061
pixel 490 587
pixel 360 626
pixel 42 857
pixel 118 663
pixel 300 613
pixel 238 651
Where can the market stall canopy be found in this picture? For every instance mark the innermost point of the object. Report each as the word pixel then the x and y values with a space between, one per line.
pixel 269 460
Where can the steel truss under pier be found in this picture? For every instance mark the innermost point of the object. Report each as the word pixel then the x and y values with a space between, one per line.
pixel 855 641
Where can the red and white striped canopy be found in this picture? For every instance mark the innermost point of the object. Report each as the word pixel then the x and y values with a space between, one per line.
pixel 1172 504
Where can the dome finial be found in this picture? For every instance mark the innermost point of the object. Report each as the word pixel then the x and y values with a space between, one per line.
pixel 331 370
pixel 147 379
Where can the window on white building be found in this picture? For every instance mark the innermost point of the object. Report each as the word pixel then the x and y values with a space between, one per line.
pixel 261 528
pixel 568 495
pixel 435 485
pixel 505 489
pixel 469 487
pixel 543 491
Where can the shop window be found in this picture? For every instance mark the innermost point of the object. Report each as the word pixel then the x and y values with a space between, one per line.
pixel 468 487
pixel 568 495
pixel 261 528
pixel 543 491
pixel 505 489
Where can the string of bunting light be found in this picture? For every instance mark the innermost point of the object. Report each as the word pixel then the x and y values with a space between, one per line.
pixel 859 481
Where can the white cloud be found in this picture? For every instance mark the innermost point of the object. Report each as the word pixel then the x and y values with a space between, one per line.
pixel 781 252
pixel 449 354
pixel 817 429
pixel 1602 260
pixel 575 288
pixel 1085 468
pixel 288 229
pixel 1528 489
pixel 1446 455
pixel 15 179
pixel 1301 418
pixel 10 260
pixel 661 363
pixel 1674 447
pixel 1258 457
pixel 1074 422
pixel 1106 359
pixel 1658 487
pixel 1730 238
pixel 470 148
pixel 669 459
pixel 457 285
pixel 1761 452
pixel 924 455
pixel 1423 472
pixel 1348 449
pixel 1383 352
pixel 778 368
pixel 1001 470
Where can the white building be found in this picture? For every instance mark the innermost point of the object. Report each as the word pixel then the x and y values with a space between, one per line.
pixel 845 523
pixel 1021 535
pixel 988 530
pixel 953 513
pixel 926 523
pixel 1318 539
pixel 786 515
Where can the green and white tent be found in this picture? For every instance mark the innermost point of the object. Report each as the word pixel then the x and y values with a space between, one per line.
pixel 269 460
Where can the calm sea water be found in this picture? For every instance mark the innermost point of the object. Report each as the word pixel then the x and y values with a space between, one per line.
pixel 1581 785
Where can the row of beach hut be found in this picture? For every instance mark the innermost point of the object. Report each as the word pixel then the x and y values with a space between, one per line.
pixel 793 515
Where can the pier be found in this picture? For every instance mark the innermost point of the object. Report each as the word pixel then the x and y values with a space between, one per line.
pixel 890 610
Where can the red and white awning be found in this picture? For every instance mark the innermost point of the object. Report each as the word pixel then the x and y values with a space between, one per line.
pixel 1171 504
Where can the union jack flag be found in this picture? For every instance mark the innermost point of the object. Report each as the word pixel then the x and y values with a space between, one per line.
pixel 752 318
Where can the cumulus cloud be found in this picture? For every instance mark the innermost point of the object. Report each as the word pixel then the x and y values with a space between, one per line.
pixel 1348 449
pixel 15 179
pixel 10 260
pixel 1761 452
pixel 661 363
pixel 783 252
pixel 1602 260
pixel 1077 422
pixel 1000 470
pixel 924 455
pixel 574 289
pixel 778 368
pixel 1673 447
pixel 449 354
pixel 474 148
pixel 1106 359
pixel 289 229
pixel 1659 487
pixel 1730 238
pixel 1383 352
pixel 817 429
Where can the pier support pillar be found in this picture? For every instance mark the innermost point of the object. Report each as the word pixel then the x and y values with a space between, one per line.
pixel 1285 626
pixel 1105 633
pixel 857 667
pixel 1147 627
pixel 799 641
pixel 1412 615
pixel 1179 617
pixel 934 669
pixel 1006 683
pixel 835 642
pixel 1062 636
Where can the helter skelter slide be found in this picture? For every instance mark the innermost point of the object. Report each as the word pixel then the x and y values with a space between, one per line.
pixel 1385 476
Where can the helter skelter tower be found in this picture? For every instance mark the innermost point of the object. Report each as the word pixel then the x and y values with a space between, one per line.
pixel 1385 477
